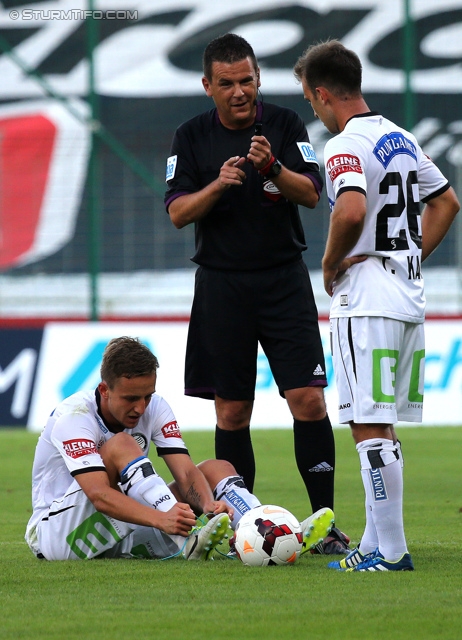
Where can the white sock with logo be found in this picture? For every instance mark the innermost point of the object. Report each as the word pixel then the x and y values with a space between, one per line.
pixel 369 541
pixel 140 482
pixel 143 484
pixel 382 476
pixel 233 491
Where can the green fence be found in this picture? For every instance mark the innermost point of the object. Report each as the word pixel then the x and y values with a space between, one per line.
pixel 120 231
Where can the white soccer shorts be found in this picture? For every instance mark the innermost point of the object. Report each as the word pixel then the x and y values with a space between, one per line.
pixel 379 369
pixel 74 530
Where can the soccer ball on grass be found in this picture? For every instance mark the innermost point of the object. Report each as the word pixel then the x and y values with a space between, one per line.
pixel 268 535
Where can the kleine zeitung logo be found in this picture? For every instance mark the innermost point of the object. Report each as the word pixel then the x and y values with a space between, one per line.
pixel 171 430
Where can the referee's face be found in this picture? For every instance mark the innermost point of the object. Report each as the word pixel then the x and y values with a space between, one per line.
pixel 233 88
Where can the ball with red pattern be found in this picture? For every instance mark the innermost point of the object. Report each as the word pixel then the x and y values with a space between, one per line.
pixel 268 535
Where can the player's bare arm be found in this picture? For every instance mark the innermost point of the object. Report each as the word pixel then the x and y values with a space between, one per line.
pixel 192 207
pixel 437 216
pixel 116 504
pixel 209 505
pixel 346 224
pixel 296 187
pixel 192 486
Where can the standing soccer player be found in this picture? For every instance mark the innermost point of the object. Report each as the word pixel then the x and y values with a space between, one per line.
pixel 238 173
pixel 376 176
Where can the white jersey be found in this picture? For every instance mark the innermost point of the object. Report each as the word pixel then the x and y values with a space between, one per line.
pixel 378 158
pixel 73 435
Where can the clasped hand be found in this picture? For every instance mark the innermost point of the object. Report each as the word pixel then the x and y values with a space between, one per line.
pixel 231 173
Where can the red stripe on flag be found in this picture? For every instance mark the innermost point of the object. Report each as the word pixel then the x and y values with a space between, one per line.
pixel 26 147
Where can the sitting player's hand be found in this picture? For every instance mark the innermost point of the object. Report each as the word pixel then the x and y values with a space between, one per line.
pixel 179 520
pixel 218 506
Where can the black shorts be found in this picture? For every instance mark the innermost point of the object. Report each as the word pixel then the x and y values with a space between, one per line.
pixel 232 312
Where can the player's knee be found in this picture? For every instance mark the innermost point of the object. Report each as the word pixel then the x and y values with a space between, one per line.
pixel 233 415
pixel 216 470
pixel 121 444
pixel 307 404
pixel 117 452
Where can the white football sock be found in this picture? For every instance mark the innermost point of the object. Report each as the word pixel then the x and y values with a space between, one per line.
pixel 232 490
pixel 382 476
pixel 369 541
pixel 143 484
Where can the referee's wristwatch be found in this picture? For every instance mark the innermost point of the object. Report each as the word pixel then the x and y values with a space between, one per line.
pixel 272 169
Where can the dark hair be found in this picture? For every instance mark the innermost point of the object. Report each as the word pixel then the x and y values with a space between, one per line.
pixel 229 48
pixel 126 357
pixel 331 65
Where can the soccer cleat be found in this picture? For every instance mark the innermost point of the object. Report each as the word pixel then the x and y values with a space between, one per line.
pixel 378 563
pixel 315 528
pixel 335 544
pixel 232 553
pixel 203 539
pixel 354 558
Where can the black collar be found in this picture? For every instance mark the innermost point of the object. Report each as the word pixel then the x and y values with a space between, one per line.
pixel 100 413
pixel 363 115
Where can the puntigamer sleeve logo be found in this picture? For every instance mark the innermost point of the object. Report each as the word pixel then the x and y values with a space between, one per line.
pixel 78 448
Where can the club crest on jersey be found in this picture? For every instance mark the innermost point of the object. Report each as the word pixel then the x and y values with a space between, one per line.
pixel 271 191
pixel 390 145
pixel 141 440
pixel 343 163
pixel 307 151
pixel 171 430
pixel 171 168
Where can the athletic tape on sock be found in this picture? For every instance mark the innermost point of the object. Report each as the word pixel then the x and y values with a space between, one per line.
pixel 377 453
pixel 135 471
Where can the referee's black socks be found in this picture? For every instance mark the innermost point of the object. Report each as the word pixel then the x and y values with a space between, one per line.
pixel 236 447
pixel 315 456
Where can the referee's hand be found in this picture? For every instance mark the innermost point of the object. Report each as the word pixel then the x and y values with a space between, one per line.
pixel 231 174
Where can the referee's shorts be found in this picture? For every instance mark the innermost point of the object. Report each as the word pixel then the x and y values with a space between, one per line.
pixel 232 312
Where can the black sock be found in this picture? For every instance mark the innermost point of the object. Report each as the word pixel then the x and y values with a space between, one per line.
pixel 236 447
pixel 315 456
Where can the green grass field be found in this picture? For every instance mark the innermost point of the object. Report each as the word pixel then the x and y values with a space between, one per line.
pixel 174 599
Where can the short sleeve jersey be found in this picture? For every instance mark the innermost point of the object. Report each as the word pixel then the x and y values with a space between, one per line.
pixel 252 226
pixel 385 162
pixel 74 433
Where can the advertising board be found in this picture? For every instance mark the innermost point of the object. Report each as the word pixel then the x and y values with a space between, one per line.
pixel 70 358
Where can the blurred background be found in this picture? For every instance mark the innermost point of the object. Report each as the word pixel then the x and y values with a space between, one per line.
pixel 91 93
